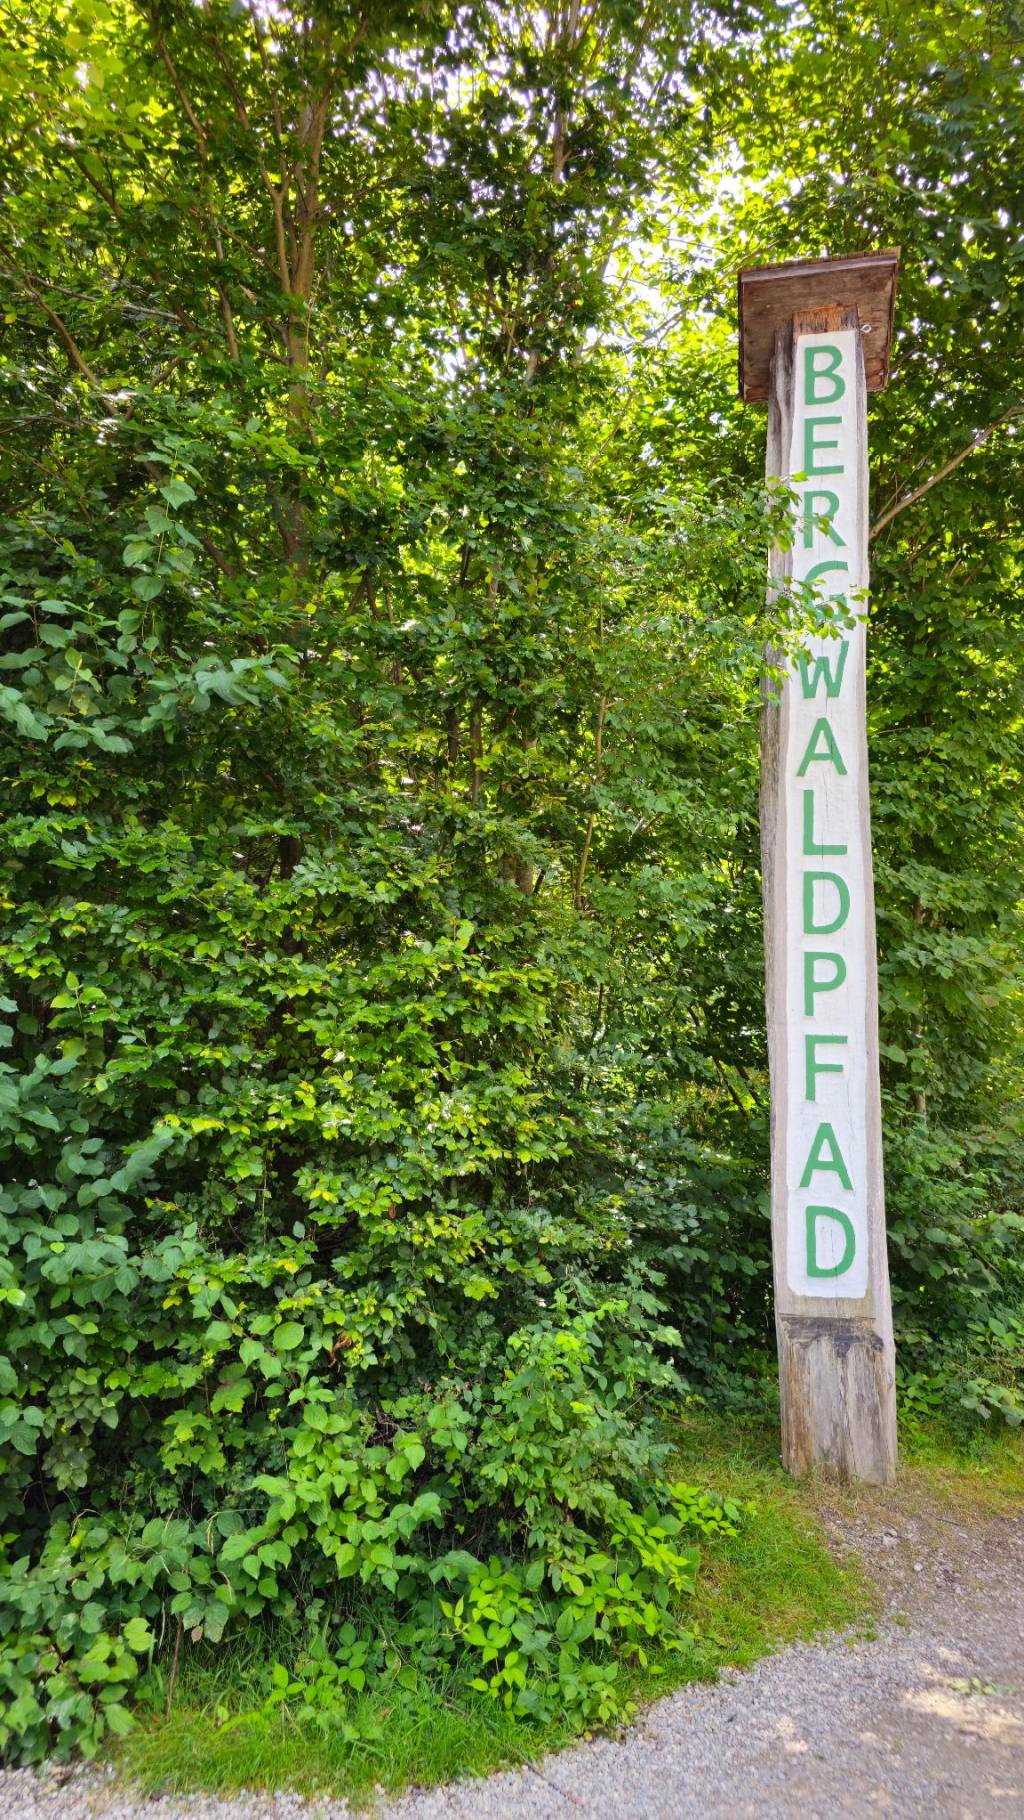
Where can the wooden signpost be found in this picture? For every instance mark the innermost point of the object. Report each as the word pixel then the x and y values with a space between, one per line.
pixel 814 339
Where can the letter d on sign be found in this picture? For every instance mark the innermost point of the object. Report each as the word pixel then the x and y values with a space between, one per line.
pixel 814 1267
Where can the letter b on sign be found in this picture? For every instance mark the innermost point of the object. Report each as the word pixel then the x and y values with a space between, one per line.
pixel 822 381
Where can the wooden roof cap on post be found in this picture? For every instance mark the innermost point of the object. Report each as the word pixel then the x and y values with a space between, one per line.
pixel 771 294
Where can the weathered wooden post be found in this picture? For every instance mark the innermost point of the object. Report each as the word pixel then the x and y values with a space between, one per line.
pixel 814 340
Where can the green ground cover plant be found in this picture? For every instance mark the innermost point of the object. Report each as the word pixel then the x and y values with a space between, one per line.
pixel 383 1100
pixel 769 1583
pixel 774 1582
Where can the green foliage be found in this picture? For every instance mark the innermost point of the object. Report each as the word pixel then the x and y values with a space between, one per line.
pixel 239 1722
pixel 383 1106
pixel 911 153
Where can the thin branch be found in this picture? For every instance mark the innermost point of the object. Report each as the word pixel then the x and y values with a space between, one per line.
pixel 229 321
pixel 978 441
pixel 187 109
pixel 132 309
pixel 172 1679
pixel 87 373
pixel 77 357
pixel 277 202
pixel 158 378
pixel 475 753
pixel 581 875
pixel 276 192
pixel 730 1089
pixel 275 102
pixel 215 555
pixel 106 195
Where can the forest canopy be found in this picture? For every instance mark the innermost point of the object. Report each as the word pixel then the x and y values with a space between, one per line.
pixel 383 1091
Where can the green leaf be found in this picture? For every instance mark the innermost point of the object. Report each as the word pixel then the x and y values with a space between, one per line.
pixel 138 1635
pixel 177 492
pixel 119 1720
pixel 147 587
pixel 141 1160
pixel 14 708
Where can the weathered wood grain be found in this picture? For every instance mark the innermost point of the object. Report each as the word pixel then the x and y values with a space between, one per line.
pixel 836 1354
pixel 770 295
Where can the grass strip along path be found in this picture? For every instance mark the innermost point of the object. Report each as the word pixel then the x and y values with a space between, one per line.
pixel 810 1559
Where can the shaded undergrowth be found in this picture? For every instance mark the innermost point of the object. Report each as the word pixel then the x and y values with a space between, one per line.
pixel 772 1583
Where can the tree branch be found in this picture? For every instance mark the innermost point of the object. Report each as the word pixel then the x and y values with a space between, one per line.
pixel 78 359
pixel 910 499
pixel 186 106
pixel 581 875
pixel 106 195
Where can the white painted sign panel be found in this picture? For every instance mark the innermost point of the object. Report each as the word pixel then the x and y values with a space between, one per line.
pixel 832 1307
pixel 825 890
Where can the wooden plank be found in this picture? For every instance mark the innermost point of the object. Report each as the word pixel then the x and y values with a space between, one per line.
pixel 769 295
pixel 832 1300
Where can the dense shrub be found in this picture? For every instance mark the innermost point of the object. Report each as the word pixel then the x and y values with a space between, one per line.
pixel 383 1112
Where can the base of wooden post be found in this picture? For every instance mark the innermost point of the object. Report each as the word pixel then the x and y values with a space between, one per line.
pixel 838 1396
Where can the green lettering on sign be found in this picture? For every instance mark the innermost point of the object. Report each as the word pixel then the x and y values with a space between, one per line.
pixel 822 670
pixel 826 568
pixel 815 849
pixel 816 374
pixel 814 446
pixel 812 1066
pixel 842 891
pixel 814 1269
pixel 827 511
pixel 831 754
pixel 812 984
pixel 817 1159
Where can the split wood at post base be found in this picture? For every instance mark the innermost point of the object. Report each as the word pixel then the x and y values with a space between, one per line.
pixel 836 1353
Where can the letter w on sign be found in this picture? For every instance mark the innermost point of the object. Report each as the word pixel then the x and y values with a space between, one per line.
pixel 832 1300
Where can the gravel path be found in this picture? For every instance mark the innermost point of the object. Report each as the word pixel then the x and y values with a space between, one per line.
pixel 925 1722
